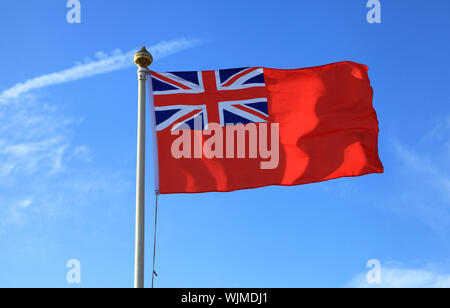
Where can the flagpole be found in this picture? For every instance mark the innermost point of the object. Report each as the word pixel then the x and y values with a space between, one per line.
pixel 143 59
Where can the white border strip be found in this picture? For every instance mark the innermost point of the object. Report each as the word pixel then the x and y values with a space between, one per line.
pixel 154 134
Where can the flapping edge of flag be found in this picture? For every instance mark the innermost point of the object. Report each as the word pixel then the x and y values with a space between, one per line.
pixel 380 171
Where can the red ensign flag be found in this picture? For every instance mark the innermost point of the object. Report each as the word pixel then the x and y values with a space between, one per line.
pixel 244 128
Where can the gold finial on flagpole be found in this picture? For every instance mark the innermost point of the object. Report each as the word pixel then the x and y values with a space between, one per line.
pixel 143 58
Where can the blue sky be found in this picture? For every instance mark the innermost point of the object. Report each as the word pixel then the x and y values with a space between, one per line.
pixel 68 142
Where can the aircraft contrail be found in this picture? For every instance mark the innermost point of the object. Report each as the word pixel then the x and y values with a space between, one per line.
pixel 105 64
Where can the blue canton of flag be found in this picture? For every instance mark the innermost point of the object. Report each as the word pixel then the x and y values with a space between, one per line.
pixel 228 97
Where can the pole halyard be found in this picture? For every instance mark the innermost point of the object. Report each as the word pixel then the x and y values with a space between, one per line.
pixel 143 59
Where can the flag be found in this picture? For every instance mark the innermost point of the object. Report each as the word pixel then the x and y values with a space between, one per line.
pixel 242 128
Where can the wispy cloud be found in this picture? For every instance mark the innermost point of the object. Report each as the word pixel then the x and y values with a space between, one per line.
pixel 422 176
pixel 34 138
pixel 433 173
pixel 15 213
pixel 440 131
pixel 398 277
pixel 43 173
pixel 104 64
pixel 36 151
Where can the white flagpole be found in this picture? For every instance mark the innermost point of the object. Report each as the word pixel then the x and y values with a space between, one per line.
pixel 143 59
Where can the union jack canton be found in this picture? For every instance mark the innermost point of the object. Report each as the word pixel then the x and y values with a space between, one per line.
pixel 228 97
